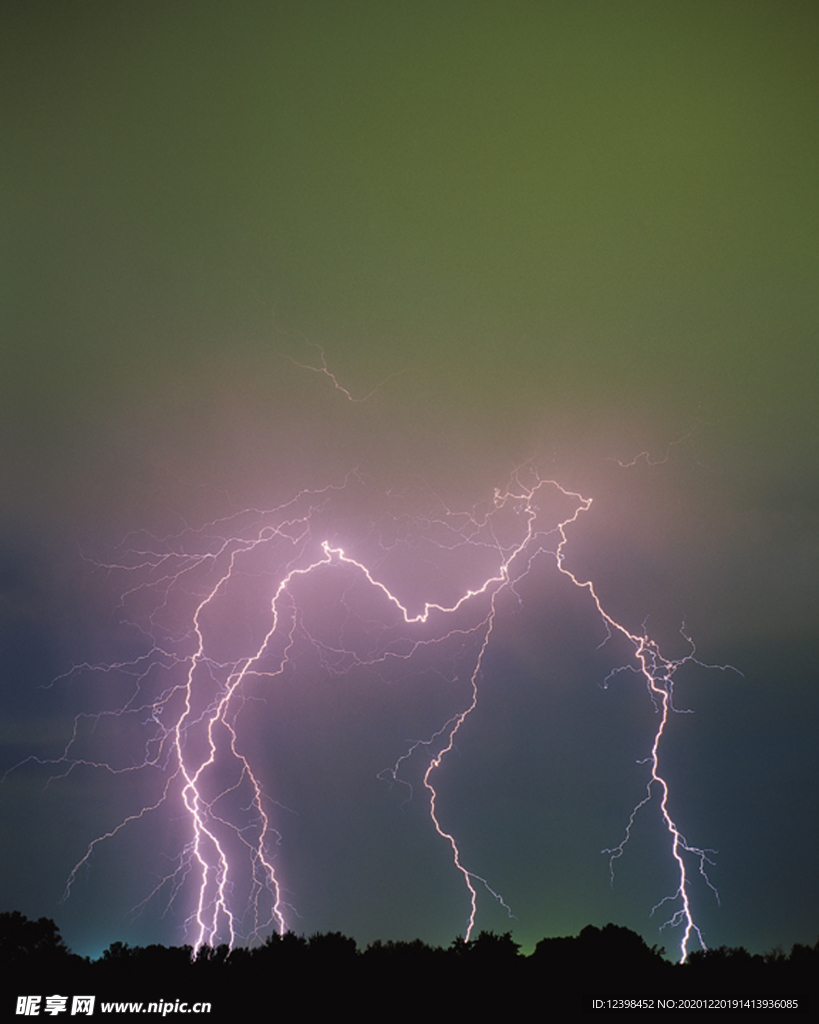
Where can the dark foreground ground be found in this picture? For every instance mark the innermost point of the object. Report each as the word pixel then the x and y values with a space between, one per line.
pixel 294 975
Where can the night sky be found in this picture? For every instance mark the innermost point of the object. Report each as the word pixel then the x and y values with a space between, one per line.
pixel 576 238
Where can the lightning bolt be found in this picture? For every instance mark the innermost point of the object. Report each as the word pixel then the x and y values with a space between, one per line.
pixel 194 687
pixel 325 371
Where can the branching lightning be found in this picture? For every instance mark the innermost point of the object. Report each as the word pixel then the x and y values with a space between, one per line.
pixel 325 371
pixel 205 664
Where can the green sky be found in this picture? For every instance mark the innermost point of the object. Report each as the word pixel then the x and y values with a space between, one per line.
pixel 605 204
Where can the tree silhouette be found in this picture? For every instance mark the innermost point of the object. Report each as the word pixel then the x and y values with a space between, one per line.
pixel 477 975
pixel 22 939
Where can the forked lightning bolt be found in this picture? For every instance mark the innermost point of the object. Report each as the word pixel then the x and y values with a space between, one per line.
pixel 225 615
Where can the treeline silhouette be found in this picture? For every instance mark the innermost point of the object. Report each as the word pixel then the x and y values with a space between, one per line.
pixel 327 969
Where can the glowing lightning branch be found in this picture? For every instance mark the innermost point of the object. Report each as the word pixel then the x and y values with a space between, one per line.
pixel 658 672
pixel 323 369
pixel 191 689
